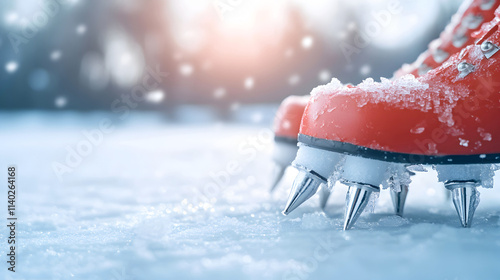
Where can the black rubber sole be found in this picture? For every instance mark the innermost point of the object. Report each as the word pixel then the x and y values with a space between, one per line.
pixel 355 150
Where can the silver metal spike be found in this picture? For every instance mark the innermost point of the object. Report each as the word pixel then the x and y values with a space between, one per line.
pixel 306 184
pixel 399 199
pixel 324 194
pixel 489 49
pixel 465 198
pixel 278 173
pixel 357 198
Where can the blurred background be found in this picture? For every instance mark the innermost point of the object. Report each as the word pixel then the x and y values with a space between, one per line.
pixel 220 54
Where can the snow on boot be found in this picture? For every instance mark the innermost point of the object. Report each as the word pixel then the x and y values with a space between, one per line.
pixel 445 118
pixel 457 35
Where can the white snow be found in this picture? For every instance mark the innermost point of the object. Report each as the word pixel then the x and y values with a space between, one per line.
pixel 333 85
pixel 153 201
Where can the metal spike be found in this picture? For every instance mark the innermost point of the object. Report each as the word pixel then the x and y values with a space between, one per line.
pixel 357 198
pixel 278 173
pixel 324 194
pixel 399 199
pixel 465 198
pixel 306 184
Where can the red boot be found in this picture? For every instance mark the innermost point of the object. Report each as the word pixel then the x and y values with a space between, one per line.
pixel 457 34
pixel 444 118
pixel 286 129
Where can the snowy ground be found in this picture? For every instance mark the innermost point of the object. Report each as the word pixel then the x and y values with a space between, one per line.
pixel 143 205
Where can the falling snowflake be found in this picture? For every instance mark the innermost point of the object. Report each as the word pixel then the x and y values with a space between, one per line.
pixel 219 93
pixel 324 75
pixel 11 66
pixel 249 83
pixel 155 96
pixel 11 17
pixel 60 102
pixel 186 69
pixel 365 70
pixel 81 29
pixel 307 42
pixel 294 79
pixel 55 55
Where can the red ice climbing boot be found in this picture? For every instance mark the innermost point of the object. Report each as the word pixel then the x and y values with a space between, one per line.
pixel 445 118
pixel 286 129
pixel 457 35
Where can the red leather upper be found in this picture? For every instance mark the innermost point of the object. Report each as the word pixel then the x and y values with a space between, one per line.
pixel 439 113
pixel 287 120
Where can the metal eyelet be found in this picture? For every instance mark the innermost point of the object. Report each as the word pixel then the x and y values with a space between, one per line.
pixel 465 69
pixel 489 49
pixel 439 55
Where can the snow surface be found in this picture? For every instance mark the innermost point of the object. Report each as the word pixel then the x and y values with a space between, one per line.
pixel 142 205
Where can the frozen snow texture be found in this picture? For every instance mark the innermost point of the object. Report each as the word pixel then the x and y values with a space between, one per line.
pixel 405 92
pixel 316 220
pixel 396 176
pixel 139 208
pixel 333 85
